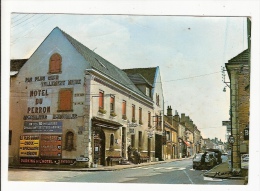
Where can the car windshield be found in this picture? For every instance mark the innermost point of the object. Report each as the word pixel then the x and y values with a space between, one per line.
pixel 197 156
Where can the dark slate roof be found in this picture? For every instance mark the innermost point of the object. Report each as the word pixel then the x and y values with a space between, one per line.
pixel 147 73
pixel 242 57
pixel 16 64
pixel 103 66
pixel 138 79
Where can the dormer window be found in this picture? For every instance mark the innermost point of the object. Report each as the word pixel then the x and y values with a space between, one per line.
pixel 55 63
pixel 147 91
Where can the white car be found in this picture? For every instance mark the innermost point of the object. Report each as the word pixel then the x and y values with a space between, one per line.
pixel 245 162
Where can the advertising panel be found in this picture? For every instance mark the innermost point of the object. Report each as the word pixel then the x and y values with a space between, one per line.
pixel 43 127
pixel 29 146
pixel 50 146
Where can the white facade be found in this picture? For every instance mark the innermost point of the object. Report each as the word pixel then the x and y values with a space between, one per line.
pixel 81 131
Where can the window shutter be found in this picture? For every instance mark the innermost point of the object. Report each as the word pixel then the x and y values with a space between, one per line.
pixel 65 100
pixel 55 63
pixel 101 100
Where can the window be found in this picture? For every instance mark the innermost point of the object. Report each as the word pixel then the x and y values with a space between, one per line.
pixel 112 104
pixel 149 119
pixel 101 99
pixel 157 100
pixel 168 135
pixel 112 140
pixel 157 122
pixel 10 136
pixel 69 141
pixel 140 116
pixel 133 141
pixel 133 114
pixel 124 110
pixel 147 91
pixel 55 63
pixel 65 100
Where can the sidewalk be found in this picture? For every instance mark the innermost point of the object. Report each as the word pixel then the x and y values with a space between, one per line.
pixel 222 171
pixel 98 168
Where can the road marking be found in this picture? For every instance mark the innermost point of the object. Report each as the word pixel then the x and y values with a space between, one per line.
pixel 159 168
pixel 213 179
pixel 188 176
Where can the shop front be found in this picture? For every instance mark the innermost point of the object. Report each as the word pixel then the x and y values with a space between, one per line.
pixel 107 140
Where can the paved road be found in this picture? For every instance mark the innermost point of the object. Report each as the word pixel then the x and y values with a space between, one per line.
pixel 177 172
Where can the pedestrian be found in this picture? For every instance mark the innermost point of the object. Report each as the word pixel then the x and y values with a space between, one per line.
pixel 129 152
pixel 137 157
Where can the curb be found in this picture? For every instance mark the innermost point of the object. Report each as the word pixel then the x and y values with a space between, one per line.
pixel 106 168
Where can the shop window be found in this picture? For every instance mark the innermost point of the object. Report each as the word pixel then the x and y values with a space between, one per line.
pixel 65 100
pixel 69 141
pixel 55 63
pixel 10 136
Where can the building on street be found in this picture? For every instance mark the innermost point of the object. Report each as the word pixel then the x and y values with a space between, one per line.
pixel 68 105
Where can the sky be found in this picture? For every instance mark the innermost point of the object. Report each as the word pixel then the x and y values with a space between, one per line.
pixel 189 51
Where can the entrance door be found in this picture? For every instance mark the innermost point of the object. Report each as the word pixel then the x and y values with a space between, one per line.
pixel 99 147
pixel 149 147
pixel 158 146
pixel 123 147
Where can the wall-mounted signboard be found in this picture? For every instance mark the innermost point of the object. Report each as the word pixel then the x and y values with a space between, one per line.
pixel 50 146
pixel 42 127
pixel 29 146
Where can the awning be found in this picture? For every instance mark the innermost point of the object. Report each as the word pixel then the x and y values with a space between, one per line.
pixel 104 123
pixel 187 143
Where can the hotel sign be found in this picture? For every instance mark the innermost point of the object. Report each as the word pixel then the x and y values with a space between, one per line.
pixel 42 127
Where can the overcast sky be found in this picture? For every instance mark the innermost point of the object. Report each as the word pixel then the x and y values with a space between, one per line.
pixel 189 51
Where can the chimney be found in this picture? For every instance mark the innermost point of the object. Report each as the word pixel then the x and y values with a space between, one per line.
pixel 169 111
pixel 183 117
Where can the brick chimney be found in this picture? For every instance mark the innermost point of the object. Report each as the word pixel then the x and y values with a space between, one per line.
pixel 169 111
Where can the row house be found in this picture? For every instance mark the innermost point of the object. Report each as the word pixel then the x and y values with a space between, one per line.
pixel 238 69
pixel 188 140
pixel 171 136
pixel 238 72
pixel 68 105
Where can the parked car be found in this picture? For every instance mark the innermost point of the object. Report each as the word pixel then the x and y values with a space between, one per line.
pixel 210 160
pixel 244 161
pixel 218 154
pixel 196 161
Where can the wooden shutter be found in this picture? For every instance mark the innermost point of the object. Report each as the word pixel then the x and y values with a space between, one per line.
pixel 55 63
pixel 101 100
pixel 124 108
pixel 65 100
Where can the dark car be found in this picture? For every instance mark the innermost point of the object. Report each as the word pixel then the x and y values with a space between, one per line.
pixel 210 160
pixel 196 161
pixel 218 154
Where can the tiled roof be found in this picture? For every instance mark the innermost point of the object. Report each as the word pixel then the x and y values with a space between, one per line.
pixel 147 73
pixel 242 57
pixel 16 64
pixel 103 66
